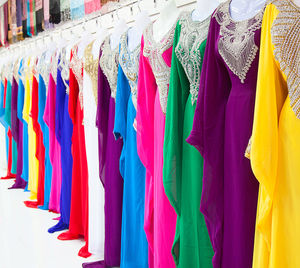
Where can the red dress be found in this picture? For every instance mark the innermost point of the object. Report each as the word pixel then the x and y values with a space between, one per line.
pixel 40 148
pixel 79 198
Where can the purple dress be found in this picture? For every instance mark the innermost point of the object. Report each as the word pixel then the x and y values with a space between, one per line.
pixel 221 130
pixel 17 131
pixel 109 156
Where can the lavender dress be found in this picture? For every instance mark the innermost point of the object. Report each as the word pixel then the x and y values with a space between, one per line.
pixel 221 131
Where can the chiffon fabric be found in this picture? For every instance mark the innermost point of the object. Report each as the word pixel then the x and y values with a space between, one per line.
pixel 134 246
pixel 109 155
pixel 183 164
pixel 33 161
pixel 96 189
pixel 221 130
pixel 7 117
pixel 21 100
pixel 275 144
pixel 63 132
pixel 17 131
pixel 55 149
pixel 153 84
pixel 78 225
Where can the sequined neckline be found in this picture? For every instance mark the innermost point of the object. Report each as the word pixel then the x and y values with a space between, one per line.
pixel 109 62
pixel 237 40
pixel 129 61
pixel 192 35
pixel 91 68
pixel 153 51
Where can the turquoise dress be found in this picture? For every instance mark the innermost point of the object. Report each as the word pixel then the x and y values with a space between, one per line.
pixel 134 246
pixel 44 73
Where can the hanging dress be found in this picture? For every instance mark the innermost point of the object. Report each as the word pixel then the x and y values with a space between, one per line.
pixel 21 100
pixel 54 10
pixel 46 9
pixel 44 72
pixel 275 147
pixel 19 27
pixel 4 23
pixel 63 133
pixel 183 164
pixel 39 15
pixel 55 149
pixel 79 202
pixel 7 117
pixel 134 246
pixel 33 161
pixel 153 86
pixel 109 155
pixel 221 130
pixel 4 138
pixel 40 149
pixel 17 129
pixel 96 190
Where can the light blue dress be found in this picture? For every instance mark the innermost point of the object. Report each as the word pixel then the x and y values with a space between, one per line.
pixel 134 246
pixel 44 72
pixel 77 9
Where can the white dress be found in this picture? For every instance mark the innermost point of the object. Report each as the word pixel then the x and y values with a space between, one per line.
pixel 96 189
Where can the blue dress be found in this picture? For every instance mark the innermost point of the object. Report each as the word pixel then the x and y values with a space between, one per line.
pixel 134 246
pixel 44 73
pixel 63 132
pixel 21 92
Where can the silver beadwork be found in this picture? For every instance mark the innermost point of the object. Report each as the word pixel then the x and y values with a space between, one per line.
pixel 192 35
pixel 129 62
pixel 236 45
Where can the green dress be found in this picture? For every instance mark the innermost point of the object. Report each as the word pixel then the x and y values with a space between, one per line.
pixel 183 164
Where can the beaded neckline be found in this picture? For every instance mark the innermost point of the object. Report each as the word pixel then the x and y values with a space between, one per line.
pixel 153 51
pixel 187 50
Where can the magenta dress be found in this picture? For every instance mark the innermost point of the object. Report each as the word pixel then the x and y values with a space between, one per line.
pixel 153 86
pixel 55 154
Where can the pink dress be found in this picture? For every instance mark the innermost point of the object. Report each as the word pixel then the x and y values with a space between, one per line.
pixel 91 6
pixel 55 154
pixel 153 85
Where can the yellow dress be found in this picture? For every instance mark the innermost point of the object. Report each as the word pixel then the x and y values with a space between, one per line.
pixel 275 148
pixel 33 161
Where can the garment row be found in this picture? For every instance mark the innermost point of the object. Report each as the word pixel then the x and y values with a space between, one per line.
pixel 181 152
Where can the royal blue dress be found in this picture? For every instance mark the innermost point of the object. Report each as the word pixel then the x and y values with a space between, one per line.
pixel 63 132
pixel 134 246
